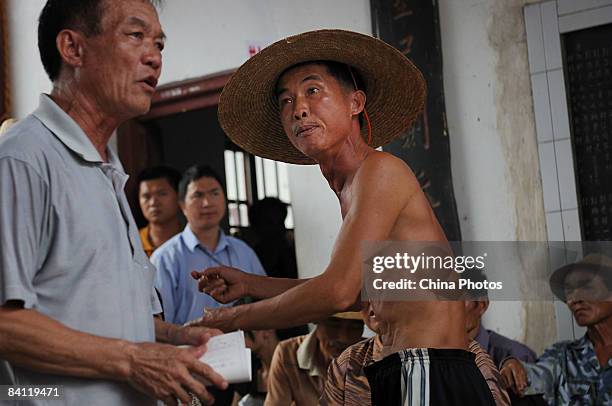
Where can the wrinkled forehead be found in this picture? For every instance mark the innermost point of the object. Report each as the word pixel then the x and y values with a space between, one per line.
pixel 579 277
pixel 301 69
pixel 142 12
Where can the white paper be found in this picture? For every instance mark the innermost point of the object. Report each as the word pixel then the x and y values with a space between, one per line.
pixel 228 356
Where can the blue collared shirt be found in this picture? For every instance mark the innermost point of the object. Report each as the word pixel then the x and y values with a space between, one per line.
pixel 568 373
pixel 182 254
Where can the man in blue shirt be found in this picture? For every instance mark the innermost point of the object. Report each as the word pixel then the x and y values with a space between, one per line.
pixel 201 245
pixel 575 372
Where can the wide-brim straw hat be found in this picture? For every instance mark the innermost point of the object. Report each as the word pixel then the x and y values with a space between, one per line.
pixel 348 316
pixel 248 109
pixel 596 263
pixel 6 124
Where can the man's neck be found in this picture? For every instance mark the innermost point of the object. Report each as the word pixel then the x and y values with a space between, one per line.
pixel 600 335
pixel 339 165
pixel 159 233
pixel 208 237
pixel 95 123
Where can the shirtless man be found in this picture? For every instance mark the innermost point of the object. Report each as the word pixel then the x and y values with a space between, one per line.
pixel 300 101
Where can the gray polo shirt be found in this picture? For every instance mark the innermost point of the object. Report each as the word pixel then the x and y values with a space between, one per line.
pixel 69 247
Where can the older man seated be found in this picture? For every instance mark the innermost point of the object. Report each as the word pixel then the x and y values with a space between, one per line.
pixel 575 372
pixel 299 366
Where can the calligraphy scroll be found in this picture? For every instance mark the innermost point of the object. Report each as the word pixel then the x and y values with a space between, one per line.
pixel 4 85
pixel 588 63
pixel 412 26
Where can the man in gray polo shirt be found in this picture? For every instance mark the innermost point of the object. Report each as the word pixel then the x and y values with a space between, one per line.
pixel 76 288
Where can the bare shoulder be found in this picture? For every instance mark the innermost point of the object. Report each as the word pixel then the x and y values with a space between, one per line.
pixel 383 171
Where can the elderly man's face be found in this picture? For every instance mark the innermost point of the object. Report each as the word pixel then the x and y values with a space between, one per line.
pixel 336 335
pixel 315 110
pixel 587 297
pixel 122 64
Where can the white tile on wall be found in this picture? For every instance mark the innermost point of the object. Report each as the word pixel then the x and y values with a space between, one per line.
pixel 550 182
pixel 585 19
pixel 554 226
pixel 558 105
pixel 566 173
pixel 541 107
pixel 579 331
pixel 565 330
pixel 552 39
pixel 573 6
pixel 571 225
pixel 535 41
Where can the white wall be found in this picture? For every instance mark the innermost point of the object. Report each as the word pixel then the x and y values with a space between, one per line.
pixel 488 101
pixel 27 76
pixel 493 142
pixel 218 31
pixel 219 34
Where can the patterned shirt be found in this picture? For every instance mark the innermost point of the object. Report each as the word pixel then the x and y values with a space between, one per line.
pixel 568 373
pixel 347 384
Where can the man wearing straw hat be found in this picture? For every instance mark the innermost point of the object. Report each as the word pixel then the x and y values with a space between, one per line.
pixel 331 97
pixel 574 372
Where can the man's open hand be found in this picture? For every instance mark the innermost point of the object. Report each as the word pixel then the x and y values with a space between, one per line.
pixel 167 372
pixel 221 318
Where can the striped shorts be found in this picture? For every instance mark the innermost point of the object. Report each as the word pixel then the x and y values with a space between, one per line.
pixel 428 376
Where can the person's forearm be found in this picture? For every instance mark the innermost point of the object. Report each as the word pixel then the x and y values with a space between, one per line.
pixel 164 332
pixel 264 287
pixel 311 301
pixel 33 341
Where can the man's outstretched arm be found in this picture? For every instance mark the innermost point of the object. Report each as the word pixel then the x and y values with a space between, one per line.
pixel 226 284
pixel 381 189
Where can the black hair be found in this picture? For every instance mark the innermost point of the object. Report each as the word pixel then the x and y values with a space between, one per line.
pixel 160 172
pixel 475 275
pixel 194 173
pixel 79 15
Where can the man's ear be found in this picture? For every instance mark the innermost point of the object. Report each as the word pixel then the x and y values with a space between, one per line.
pixel 358 102
pixel 182 207
pixel 70 47
pixel 483 305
